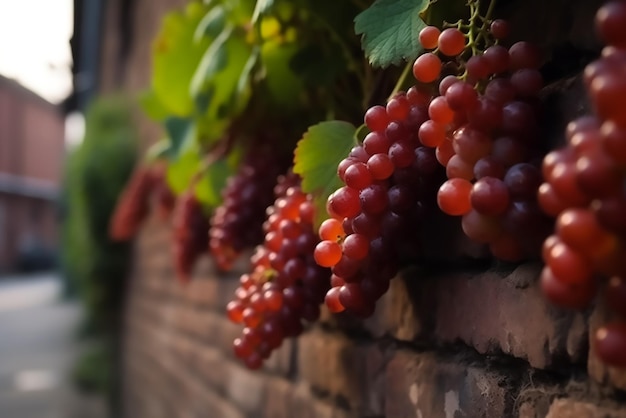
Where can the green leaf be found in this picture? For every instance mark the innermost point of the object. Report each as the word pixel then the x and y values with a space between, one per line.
pixel 260 8
pixel 243 84
pixel 159 150
pixel 316 158
pixel 214 60
pixel 175 58
pixel 390 30
pixel 224 102
pixel 181 132
pixel 152 105
pixel 209 188
pixel 211 25
pixel 282 82
pixel 181 171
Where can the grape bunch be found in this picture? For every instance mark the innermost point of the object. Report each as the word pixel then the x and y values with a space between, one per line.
pixel 133 205
pixel 237 223
pixel 285 286
pixel 190 234
pixel 376 215
pixel 585 190
pixel 164 198
pixel 484 125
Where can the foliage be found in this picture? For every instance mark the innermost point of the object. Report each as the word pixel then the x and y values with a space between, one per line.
pixel 316 166
pixel 92 370
pixel 248 72
pixel 96 172
pixel 390 30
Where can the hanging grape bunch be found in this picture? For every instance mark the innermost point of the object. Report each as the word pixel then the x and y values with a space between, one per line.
pixel 389 182
pixel 285 285
pixel 133 205
pixel 585 190
pixel 480 123
pixel 190 234
pixel 163 196
pixel 237 223
pixel 484 126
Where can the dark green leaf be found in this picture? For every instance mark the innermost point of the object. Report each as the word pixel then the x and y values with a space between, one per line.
pixel 317 65
pixel 243 84
pixel 390 30
pixel 211 25
pixel 316 158
pixel 214 60
pixel 283 84
pixel 180 133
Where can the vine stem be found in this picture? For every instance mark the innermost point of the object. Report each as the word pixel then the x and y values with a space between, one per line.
pixel 401 80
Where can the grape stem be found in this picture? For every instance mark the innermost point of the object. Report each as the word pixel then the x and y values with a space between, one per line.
pixel 401 80
pixel 478 25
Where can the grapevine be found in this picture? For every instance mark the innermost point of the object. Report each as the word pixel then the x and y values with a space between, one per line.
pixel 465 136
pixel 237 223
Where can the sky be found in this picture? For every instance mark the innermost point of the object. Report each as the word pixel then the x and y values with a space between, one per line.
pixel 34 45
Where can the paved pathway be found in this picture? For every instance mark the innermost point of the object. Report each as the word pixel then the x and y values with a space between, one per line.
pixel 37 350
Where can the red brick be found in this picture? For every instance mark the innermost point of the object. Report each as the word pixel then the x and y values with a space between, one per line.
pixel 493 313
pixel 340 367
pixel 567 408
pixel 245 388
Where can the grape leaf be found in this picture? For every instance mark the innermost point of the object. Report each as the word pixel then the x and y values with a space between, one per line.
pixel 175 59
pixel 390 30
pixel 261 7
pixel 180 133
pixel 181 171
pixel 214 60
pixel 152 105
pixel 211 25
pixel 316 157
pixel 213 180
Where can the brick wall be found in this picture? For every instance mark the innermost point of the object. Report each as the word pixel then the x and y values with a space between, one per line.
pixel 450 339
pixel 444 342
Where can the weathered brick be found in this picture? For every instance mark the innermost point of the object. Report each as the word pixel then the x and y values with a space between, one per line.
pixel 309 406
pixel 493 313
pixel 282 359
pixel 340 367
pixel 567 408
pixel 278 398
pixel 423 385
pixel 395 314
pixel 246 388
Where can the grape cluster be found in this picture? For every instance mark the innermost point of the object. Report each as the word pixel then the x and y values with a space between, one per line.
pixel 285 286
pixel 237 223
pixel 585 190
pixel 388 180
pixel 164 198
pixel 484 127
pixel 133 205
pixel 190 234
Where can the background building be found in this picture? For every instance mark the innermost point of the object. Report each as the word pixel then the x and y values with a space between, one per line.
pixel 31 155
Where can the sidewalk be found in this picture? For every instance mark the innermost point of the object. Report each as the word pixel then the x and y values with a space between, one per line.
pixel 37 351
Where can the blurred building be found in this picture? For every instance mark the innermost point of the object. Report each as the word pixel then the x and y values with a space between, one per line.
pixel 31 154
